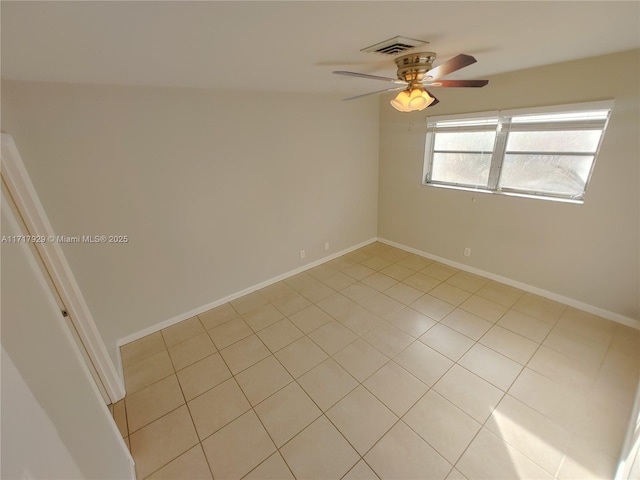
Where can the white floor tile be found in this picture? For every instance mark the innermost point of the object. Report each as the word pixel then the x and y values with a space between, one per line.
pixel 490 458
pixel 319 452
pixel 475 396
pixel 361 418
pixel 443 425
pixel 417 367
pixel 401 453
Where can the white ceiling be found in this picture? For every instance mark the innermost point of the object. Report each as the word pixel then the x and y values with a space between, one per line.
pixel 294 45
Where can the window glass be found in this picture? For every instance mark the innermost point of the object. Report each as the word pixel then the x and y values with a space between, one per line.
pixel 465 141
pixel 461 168
pixel 550 174
pixel 554 141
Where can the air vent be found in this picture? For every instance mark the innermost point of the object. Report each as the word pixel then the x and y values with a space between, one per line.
pixel 394 46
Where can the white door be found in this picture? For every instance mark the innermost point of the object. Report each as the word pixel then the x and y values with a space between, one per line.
pixel 19 192
pixel 64 312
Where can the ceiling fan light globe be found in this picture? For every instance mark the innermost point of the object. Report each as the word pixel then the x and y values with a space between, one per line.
pixel 420 99
pixel 401 102
pixel 411 101
pixel 400 108
pixel 418 103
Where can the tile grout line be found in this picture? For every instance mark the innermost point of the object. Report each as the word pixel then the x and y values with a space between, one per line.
pixel 186 404
pixel 362 383
pixel 506 392
pixel 323 413
pixel 389 359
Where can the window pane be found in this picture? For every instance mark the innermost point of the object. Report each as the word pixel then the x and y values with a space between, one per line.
pixel 551 174
pixel 461 168
pixel 554 141
pixel 466 141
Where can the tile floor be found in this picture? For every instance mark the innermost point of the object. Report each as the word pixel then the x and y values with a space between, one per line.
pixel 381 364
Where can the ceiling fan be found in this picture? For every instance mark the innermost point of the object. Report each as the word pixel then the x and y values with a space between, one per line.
pixel 415 74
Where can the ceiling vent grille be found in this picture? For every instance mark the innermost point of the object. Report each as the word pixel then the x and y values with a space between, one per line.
pixel 394 46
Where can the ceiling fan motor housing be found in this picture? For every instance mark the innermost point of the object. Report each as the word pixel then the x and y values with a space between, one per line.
pixel 412 68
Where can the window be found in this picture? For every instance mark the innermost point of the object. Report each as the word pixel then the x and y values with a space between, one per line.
pixel 544 152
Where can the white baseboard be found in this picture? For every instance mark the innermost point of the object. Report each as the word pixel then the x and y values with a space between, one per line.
pixel 616 317
pixel 184 316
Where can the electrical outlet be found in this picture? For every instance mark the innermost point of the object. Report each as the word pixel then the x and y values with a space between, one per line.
pixel 326 245
pixel 303 254
pixel 467 252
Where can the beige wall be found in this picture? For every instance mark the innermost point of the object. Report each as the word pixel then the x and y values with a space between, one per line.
pixel 217 191
pixel 589 252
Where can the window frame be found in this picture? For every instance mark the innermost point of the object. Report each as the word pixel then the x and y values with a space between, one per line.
pixel 503 127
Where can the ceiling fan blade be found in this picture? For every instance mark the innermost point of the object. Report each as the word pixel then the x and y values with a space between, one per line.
pixel 370 77
pixel 457 83
pixel 456 63
pixel 374 93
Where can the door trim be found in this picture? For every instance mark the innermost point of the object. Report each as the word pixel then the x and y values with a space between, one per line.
pixel 35 218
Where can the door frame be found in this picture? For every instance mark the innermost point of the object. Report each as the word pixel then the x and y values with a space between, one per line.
pixel 25 197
